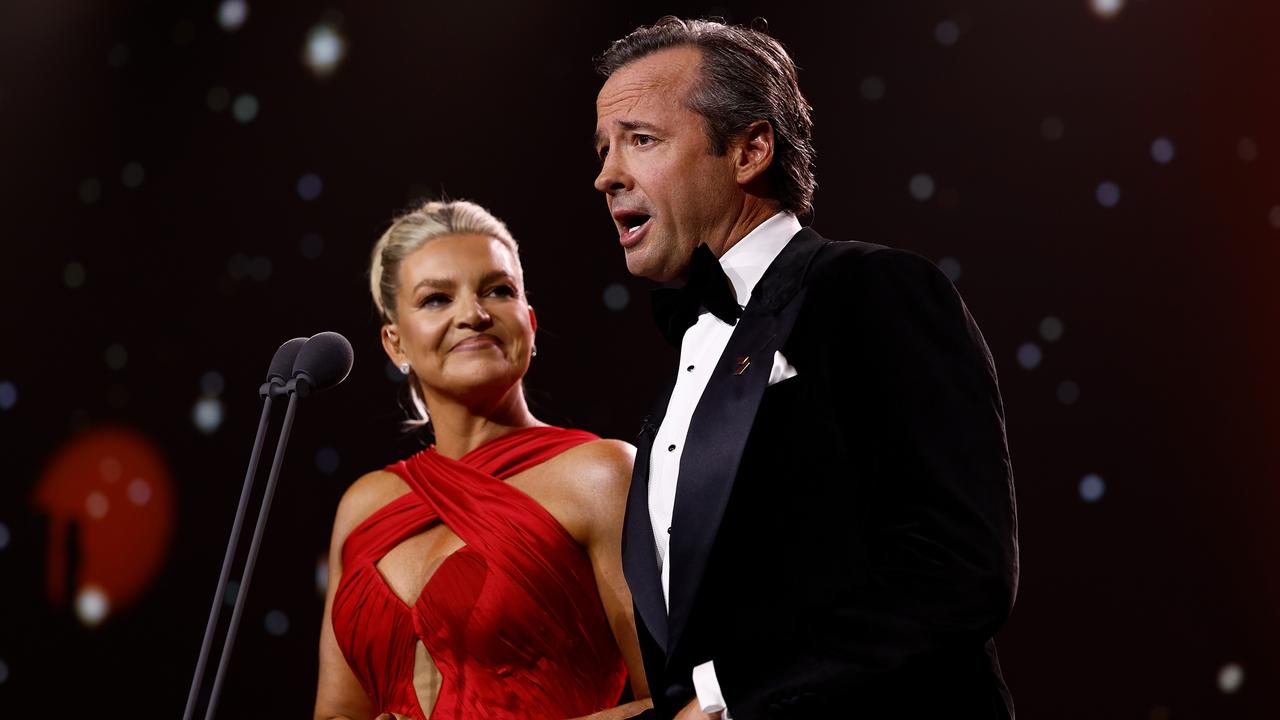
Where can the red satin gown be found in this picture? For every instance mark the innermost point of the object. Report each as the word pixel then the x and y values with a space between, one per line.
pixel 512 620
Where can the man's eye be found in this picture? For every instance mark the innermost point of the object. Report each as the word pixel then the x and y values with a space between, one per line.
pixel 602 153
pixel 644 139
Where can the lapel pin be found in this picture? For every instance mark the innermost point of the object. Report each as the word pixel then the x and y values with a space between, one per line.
pixel 744 362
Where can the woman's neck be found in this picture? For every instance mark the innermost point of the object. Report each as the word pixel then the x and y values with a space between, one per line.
pixel 459 429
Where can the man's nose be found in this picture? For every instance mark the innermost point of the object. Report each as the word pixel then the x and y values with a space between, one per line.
pixel 613 176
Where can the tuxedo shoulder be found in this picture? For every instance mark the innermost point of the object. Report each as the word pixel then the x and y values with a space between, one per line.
pixel 869 265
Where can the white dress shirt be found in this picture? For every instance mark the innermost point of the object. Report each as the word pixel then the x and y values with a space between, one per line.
pixel 700 350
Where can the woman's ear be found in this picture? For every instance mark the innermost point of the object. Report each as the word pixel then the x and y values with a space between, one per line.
pixel 391 343
pixel 533 319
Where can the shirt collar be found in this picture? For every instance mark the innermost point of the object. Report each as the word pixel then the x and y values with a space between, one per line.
pixel 747 260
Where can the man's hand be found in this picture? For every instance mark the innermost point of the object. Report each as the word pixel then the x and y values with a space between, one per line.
pixel 693 711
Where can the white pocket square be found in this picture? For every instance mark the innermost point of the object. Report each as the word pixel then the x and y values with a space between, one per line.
pixel 781 369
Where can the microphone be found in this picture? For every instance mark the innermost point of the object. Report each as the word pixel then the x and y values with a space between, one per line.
pixel 322 362
pixel 278 372
pixel 318 363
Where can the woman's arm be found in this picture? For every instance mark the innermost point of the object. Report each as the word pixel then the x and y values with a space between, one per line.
pixel 339 695
pixel 603 479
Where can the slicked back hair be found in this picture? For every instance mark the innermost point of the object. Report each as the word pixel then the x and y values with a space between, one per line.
pixel 746 76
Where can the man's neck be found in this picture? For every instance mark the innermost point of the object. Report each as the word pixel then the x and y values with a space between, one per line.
pixel 754 211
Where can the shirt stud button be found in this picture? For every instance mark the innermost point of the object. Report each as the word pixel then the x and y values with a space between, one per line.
pixel 668 531
pixel 671 448
pixel 689 369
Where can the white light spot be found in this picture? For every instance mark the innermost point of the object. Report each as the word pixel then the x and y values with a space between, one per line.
pixel 97 505
pixel 1029 356
pixel 217 98
pixel 1247 149
pixel 232 14
pixel 111 469
pixel 260 269
pixel 1162 150
pixel 1106 9
pixel 616 297
pixel 921 187
pixel 73 275
pixel 322 575
pixel 1092 488
pixel 90 191
pixel 8 395
pixel 327 460
pixel 116 356
pixel 1052 128
pixel 1230 678
pixel 4 536
pixel 872 88
pixel 118 55
pixel 950 267
pixel 946 33
pixel 324 50
pixel 1051 329
pixel 245 108
pixel 1274 217
pixel 139 491
pixel 309 186
pixel 1108 194
pixel 132 175
pixel 312 246
pixel 207 415
pixel 1068 392
pixel 276 623
pixel 212 384
pixel 92 605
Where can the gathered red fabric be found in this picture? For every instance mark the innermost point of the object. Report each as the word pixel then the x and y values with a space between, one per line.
pixel 512 620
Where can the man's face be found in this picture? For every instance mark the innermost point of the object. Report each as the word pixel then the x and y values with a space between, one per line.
pixel 666 190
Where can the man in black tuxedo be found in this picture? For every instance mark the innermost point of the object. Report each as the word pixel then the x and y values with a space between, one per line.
pixel 821 521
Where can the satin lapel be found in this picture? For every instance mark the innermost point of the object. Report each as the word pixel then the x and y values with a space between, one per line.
pixel 639 554
pixel 723 419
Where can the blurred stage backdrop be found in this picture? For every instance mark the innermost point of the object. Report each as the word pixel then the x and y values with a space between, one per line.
pixel 187 185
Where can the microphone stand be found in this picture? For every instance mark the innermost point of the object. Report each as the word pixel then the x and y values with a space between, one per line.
pixel 254 546
pixel 254 458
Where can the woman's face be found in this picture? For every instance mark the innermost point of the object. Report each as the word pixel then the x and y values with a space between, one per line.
pixel 463 323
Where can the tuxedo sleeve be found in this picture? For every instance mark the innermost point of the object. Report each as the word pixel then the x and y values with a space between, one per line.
pixel 937 533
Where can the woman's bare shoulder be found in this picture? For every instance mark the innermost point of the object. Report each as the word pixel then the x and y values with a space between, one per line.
pixel 600 470
pixel 365 496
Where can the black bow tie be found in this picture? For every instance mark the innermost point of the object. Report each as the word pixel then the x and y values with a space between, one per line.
pixel 676 310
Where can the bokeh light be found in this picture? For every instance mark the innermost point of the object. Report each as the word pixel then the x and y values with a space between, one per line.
pixel 207 415
pixel 1051 328
pixel 1230 678
pixel 132 175
pixel 92 605
pixel 73 275
pixel 324 50
pixel 946 33
pixel 276 623
pixel 1162 150
pixel 232 14
pixel 327 460
pixel 1092 488
pixel 310 186
pixel 951 268
pixel 1106 9
pixel 8 395
pixel 245 108
pixel 921 187
pixel 616 296
pixel 4 536
pixel 1052 128
pixel 116 356
pixel 1108 194
pixel 1029 356
pixel 90 191
pixel 1068 392
pixel 872 88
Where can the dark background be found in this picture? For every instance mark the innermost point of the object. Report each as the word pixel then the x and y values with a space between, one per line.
pixel 151 238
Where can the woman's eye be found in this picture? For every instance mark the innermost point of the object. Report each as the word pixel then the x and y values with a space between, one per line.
pixel 503 291
pixel 434 300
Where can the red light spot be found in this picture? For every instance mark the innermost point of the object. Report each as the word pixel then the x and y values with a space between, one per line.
pixel 114 486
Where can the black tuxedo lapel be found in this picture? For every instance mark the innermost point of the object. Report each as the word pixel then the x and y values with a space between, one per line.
pixel 639 554
pixel 723 420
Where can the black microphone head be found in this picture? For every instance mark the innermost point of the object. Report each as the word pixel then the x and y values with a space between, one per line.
pixel 324 361
pixel 282 362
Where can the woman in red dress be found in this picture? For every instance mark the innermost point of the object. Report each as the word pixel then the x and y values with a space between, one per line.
pixel 481 577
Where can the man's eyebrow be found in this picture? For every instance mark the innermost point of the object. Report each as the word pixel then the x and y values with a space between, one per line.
pixel 599 138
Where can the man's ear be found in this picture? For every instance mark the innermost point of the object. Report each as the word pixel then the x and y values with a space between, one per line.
pixel 753 152
pixel 391 343
pixel 533 319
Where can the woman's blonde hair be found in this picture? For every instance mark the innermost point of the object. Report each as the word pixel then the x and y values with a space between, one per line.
pixel 407 233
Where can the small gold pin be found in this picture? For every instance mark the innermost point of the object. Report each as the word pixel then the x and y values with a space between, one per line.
pixel 744 362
